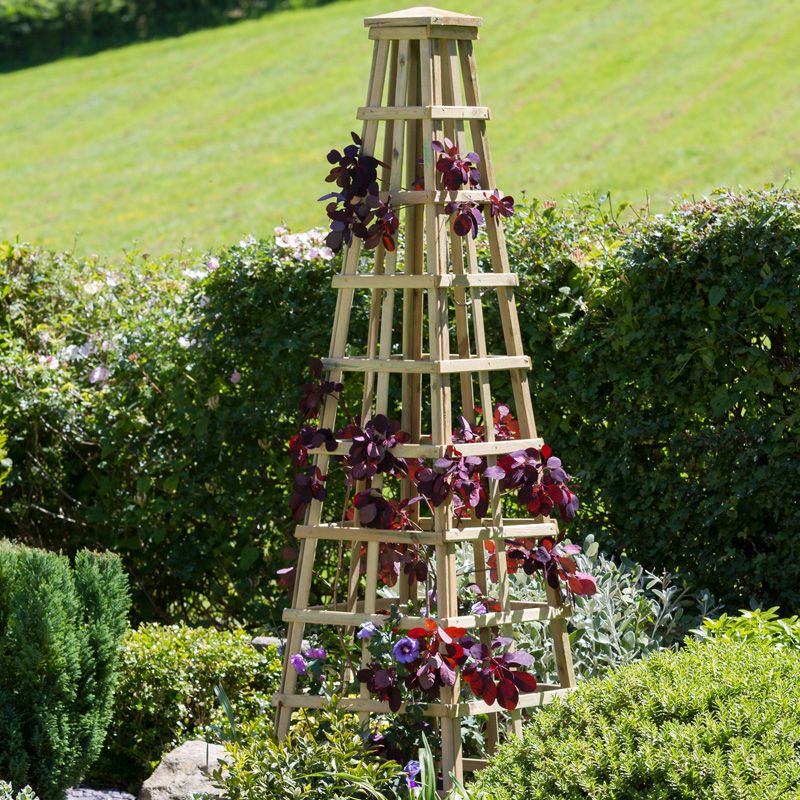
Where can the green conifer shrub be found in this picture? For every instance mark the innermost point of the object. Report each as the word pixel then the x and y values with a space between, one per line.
pixel 60 631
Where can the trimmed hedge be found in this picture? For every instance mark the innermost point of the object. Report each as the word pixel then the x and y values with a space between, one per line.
pixel 665 374
pixel 713 720
pixel 32 31
pixel 166 695
pixel 60 630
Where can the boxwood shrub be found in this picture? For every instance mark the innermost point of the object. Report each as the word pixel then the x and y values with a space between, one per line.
pixel 60 630
pixel 166 695
pixel 712 720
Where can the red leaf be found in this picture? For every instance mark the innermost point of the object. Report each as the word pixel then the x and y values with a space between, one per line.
pixel 507 694
pixel 525 681
pixel 582 583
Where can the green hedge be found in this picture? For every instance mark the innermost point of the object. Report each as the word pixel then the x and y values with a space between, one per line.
pixel 166 695
pixel 665 375
pixel 713 720
pixel 60 630
pixel 40 30
pixel 168 462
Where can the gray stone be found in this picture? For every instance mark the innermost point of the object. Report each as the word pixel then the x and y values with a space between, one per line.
pixel 85 793
pixel 184 771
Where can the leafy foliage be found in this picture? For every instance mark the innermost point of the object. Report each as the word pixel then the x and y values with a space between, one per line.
pixel 633 613
pixel 175 457
pixel 760 625
pixel 665 362
pixel 712 720
pixel 60 630
pixel 323 758
pixel 7 792
pixel 40 30
pixel 166 694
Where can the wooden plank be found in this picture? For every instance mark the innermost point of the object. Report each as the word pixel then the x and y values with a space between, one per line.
pixel 405 281
pixel 342 533
pixel 421 15
pixel 425 366
pixel 437 196
pixel 425 32
pixel 423 112
pixel 537 612
pixel 546 693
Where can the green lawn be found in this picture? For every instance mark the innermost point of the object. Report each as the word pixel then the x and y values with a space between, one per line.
pixel 224 132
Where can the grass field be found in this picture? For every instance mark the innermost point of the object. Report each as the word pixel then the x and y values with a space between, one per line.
pixel 219 133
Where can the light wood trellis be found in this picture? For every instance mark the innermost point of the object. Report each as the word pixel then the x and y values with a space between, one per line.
pixel 423 86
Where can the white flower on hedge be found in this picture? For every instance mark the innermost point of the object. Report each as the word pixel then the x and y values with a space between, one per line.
pixel 93 287
pixel 49 361
pixel 194 274
pixel 99 375
pixel 185 343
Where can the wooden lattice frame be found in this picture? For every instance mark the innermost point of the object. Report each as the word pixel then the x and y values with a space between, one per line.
pixel 427 55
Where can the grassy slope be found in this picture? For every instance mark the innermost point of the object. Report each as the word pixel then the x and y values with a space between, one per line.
pixel 224 132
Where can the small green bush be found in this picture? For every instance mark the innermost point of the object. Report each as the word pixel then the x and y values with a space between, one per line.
pixel 166 694
pixel 60 631
pixel 634 612
pixel 717 720
pixel 323 758
pixel 754 625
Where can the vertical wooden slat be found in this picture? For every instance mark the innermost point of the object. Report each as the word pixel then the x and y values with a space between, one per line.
pixel 513 339
pixel 344 303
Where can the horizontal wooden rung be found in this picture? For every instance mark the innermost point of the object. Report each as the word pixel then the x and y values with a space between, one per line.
pixel 398 280
pixel 532 612
pixel 426 367
pixel 438 196
pixel 423 112
pixel 469 533
pixel 458 32
pixel 427 450
pixel 545 694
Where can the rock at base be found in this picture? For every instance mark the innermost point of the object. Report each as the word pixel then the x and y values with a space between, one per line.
pixel 184 771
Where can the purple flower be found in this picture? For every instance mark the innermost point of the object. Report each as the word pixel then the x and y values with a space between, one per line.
pixel 412 769
pixel 236 376
pixel 406 650
pixel 299 664
pixel 213 264
pixel 478 608
pixel 367 631
pixel 316 652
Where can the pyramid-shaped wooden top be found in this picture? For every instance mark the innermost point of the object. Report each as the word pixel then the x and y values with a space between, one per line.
pixel 422 16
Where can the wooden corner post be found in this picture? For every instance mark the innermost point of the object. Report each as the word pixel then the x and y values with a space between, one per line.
pixel 423 86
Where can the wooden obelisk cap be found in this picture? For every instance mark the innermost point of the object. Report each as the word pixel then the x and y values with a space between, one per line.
pixel 434 22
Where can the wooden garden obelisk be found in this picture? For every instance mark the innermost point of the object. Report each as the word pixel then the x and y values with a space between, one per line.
pixel 423 86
